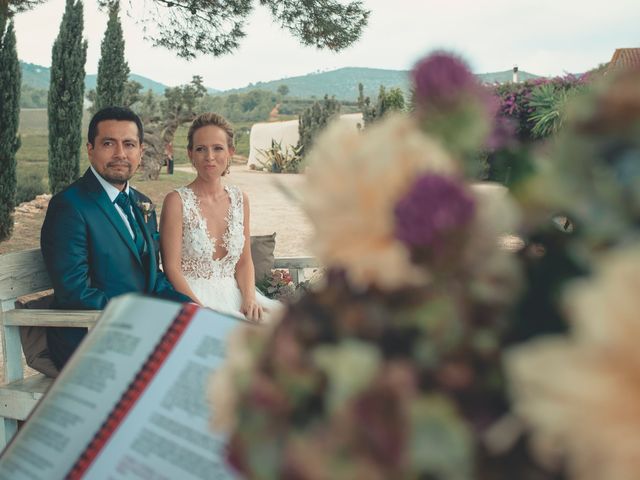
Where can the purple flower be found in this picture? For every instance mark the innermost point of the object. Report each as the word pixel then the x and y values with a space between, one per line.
pixel 435 207
pixel 503 133
pixel 441 79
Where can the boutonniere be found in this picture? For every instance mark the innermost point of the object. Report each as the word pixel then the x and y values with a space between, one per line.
pixel 146 208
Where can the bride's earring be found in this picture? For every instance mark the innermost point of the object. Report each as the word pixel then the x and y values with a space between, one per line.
pixel 227 171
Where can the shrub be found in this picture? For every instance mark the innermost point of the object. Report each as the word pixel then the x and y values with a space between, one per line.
pixel 30 185
pixel 281 160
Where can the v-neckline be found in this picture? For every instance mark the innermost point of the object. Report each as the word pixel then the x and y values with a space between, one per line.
pixel 205 224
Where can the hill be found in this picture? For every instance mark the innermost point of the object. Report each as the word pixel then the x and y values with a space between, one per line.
pixel 37 76
pixel 147 83
pixel 343 82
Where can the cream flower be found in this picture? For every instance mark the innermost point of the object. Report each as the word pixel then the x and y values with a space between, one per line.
pixel 581 395
pixel 229 380
pixel 350 366
pixel 354 182
pixel 493 272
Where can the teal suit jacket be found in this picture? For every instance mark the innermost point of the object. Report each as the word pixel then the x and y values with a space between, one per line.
pixel 91 257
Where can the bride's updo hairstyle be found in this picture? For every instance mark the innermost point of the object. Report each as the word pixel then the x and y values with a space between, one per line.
pixel 210 118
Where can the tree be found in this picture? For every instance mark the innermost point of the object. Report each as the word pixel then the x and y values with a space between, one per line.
pixel 9 8
pixel 132 93
pixel 10 76
pixel 189 27
pixel 393 100
pixel 178 107
pixel 283 90
pixel 113 70
pixel 313 120
pixel 66 92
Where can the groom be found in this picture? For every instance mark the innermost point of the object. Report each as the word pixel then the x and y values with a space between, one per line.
pixel 100 237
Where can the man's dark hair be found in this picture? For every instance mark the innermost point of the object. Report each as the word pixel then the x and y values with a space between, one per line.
pixel 114 113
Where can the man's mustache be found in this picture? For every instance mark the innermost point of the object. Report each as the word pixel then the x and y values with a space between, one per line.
pixel 119 164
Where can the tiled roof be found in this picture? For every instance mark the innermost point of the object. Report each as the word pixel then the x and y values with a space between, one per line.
pixel 625 58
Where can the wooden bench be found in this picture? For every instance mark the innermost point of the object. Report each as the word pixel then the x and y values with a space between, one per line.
pixel 24 273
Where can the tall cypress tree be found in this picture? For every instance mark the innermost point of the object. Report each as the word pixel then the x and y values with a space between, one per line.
pixel 66 94
pixel 113 70
pixel 10 76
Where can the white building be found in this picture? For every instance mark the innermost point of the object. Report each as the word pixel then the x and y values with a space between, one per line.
pixel 285 133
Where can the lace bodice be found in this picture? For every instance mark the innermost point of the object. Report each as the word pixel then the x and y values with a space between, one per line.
pixel 199 248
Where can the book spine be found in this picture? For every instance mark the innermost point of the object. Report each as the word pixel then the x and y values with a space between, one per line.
pixel 134 391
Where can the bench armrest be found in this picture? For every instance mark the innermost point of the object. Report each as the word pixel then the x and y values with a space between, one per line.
pixel 50 318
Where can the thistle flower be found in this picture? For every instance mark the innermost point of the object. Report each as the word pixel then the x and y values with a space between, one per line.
pixel 434 208
pixel 441 79
pixel 452 105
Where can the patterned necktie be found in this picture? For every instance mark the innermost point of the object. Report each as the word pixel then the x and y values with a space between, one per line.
pixel 123 201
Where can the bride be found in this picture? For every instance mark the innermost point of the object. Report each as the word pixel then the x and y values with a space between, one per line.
pixel 204 229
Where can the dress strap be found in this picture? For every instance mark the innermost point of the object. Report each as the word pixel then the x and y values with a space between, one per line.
pixel 235 196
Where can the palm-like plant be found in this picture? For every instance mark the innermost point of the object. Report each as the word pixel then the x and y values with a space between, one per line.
pixel 549 103
pixel 279 159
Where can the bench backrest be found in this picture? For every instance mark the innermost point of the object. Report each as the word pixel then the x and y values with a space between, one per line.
pixel 21 273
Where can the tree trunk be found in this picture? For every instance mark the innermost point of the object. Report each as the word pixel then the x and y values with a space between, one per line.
pixel 153 158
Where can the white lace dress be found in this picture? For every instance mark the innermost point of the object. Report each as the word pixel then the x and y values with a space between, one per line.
pixel 213 280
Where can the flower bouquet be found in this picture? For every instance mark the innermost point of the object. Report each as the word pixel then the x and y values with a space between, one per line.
pixel 278 286
pixel 409 361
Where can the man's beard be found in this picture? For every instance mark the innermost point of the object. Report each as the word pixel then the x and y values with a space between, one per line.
pixel 119 178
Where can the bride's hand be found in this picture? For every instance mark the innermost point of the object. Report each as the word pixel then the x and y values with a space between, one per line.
pixel 252 310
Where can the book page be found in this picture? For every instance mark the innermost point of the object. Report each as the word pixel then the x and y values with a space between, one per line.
pixel 88 388
pixel 166 433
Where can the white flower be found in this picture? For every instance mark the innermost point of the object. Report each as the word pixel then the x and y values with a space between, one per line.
pixel 581 394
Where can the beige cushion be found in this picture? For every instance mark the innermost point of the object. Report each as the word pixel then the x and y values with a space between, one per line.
pixel 262 247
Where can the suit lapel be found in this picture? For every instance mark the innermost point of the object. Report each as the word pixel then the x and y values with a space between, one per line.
pixel 98 195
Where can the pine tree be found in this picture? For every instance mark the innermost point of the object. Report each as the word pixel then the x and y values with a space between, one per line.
pixel 10 77
pixel 66 94
pixel 190 27
pixel 113 70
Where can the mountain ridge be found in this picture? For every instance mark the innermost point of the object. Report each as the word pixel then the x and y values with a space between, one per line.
pixel 341 83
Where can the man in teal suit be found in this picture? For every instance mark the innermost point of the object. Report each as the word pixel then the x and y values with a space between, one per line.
pixel 99 238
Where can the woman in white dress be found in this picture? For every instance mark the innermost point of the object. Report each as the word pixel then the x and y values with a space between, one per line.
pixel 204 228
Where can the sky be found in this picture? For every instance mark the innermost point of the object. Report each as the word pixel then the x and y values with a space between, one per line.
pixel 545 37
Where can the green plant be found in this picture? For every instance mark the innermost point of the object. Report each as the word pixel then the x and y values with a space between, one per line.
pixel 549 104
pixel 393 100
pixel 313 120
pixel 281 160
pixel 30 185
pixel 9 117
pixel 66 96
pixel 113 69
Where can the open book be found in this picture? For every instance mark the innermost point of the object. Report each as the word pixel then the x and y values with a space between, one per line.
pixel 131 402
